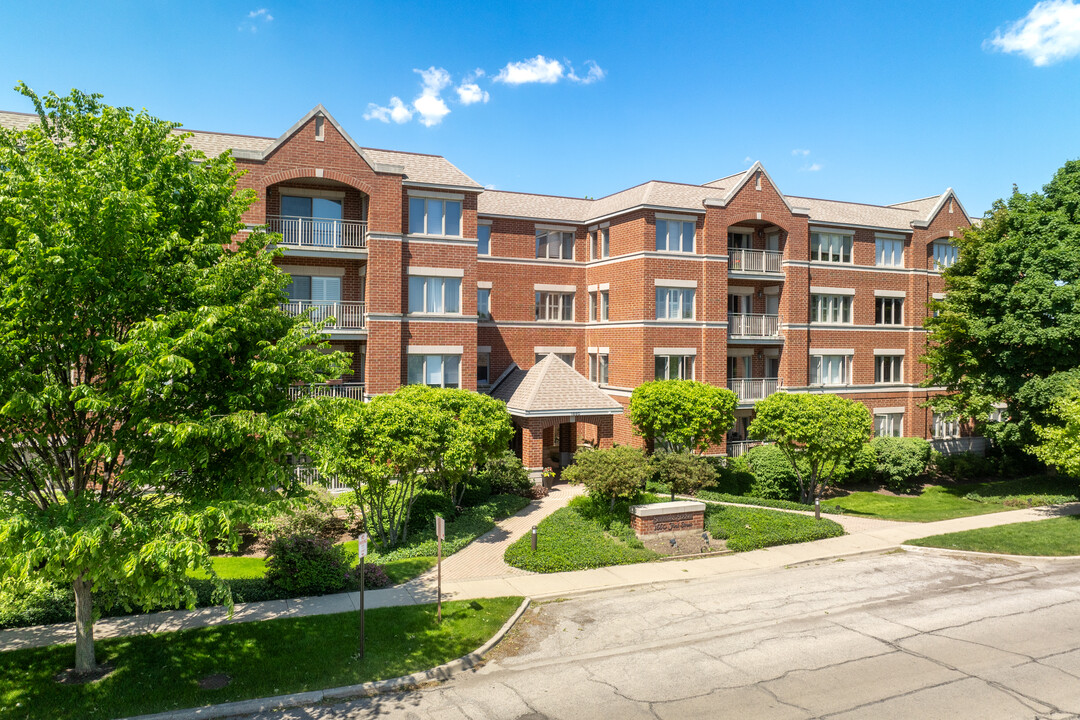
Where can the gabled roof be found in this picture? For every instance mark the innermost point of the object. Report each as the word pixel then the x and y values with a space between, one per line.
pixel 741 182
pixel 551 388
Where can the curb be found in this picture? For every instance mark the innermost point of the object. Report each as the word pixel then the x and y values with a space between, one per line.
pixel 260 705
pixel 976 554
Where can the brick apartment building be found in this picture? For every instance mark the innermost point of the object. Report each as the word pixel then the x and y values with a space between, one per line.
pixel 431 278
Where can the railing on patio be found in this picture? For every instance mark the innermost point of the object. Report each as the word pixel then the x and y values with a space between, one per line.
pixel 736 448
pixel 753 388
pixel 354 391
pixel 743 325
pixel 311 476
pixel 319 233
pixel 756 261
pixel 347 314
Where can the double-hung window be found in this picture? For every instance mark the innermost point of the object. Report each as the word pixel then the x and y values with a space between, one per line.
pixel 605 242
pixel 554 306
pixel 555 244
pixel 888 369
pixel 598 306
pixel 483 367
pixel 889 252
pixel 830 369
pixel 830 247
pixel 598 368
pixel 435 370
pixel 441 295
pixel 833 309
pixel 674 367
pixel 945 427
pixel 483 239
pixel 674 236
pixel 889 424
pixel 434 216
pixel 483 303
pixel 945 254
pixel 674 303
pixel 888 311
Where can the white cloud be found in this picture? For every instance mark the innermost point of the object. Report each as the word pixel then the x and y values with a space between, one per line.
pixel 748 160
pixel 804 153
pixel 254 18
pixel 397 111
pixel 537 70
pixel 595 73
pixel 1049 33
pixel 469 93
pixel 429 104
pixel 814 167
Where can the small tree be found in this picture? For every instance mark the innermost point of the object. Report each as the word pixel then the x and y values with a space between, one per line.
pixel 683 414
pixel 815 433
pixel 685 472
pixel 611 474
pixel 1060 444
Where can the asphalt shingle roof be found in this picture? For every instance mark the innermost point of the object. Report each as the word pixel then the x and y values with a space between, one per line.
pixel 551 387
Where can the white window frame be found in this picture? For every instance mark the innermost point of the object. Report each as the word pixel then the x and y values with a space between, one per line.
pixel 441 230
pixel 831 305
pixel 682 222
pixel 483 309
pixel 888 251
pixel 683 293
pixel 846 242
pixel 544 299
pixel 545 232
pixel 598 368
pixel 888 424
pixel 483 229
pixel 948 257
pixel 485 356
pixel 605 242
pixel 822 362
pixel 897 310
pixel 685 362
pixel 423 361
pixel 895 364
pixel 444 282
pixel 943 428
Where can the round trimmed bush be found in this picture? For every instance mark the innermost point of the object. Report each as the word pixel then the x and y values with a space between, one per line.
pixel 774 478
pixel 305 565
pixel 426 506
pixel 507 475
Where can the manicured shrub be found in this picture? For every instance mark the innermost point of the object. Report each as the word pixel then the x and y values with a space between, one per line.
pixel 35 602
pixel 859 468
pixel 477 491
pixel 618 473
pixel 774 477
pixel 507 475
pixel 313 516
pixel 683 472
pixel 426 506
pixel 751 529
pixel 731 477
pixel 961 466
pixel 899 461
pixel 305 565
pixel 375 577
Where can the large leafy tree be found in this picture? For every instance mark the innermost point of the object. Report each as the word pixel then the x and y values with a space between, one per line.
pixel 1059 443
pixel 816 433
pixel 683 414
pixel 144 366
pixel 1010 321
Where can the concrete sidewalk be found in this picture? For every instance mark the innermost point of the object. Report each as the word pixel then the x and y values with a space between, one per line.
pixel 866 536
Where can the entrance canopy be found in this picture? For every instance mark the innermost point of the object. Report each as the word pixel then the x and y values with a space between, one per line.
pixel 552 389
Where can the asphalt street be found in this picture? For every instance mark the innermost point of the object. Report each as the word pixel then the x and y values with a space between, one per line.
pixel 900 635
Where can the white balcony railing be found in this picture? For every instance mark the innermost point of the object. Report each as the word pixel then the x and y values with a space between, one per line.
pixel 319 233
pixel 346 314
pixel 311 476
pixel 753 388
pixel 735 448
pixel 354 391
pixel 763 326
pixel 756 261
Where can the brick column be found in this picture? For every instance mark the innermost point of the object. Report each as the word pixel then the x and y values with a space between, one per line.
pixel 532 448
pixel 605 432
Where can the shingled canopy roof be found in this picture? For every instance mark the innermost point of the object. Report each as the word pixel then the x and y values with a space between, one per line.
pixel 551 388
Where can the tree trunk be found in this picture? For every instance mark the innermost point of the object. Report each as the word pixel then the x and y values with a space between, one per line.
pixel 85 661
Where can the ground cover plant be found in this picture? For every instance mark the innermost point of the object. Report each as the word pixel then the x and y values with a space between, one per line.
pixel 1053 537
pixel 588 533
pixel 940 502
pixel 154 673
pixel 753 528
pixel 711 494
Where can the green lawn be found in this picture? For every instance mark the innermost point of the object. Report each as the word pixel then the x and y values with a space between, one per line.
pixel 1058 536
pixel 240 568
pixel 160 672
pixel 751 528
pixel 945 503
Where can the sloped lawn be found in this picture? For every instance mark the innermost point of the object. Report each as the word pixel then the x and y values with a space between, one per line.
pixel 1054 537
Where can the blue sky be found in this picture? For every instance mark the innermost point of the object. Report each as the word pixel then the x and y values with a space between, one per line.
pixel 867 102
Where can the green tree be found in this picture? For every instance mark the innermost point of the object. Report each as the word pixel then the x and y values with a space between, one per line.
pixel 1010 320
pixel 816 433
pixel 683 414
pixel 472 429
pixel 1059 444
pixel 619 472
pixel 144 367
pixel 683 471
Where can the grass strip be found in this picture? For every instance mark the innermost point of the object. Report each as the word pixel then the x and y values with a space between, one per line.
pixel 154 673
pixel 1053 538
pixel 751 528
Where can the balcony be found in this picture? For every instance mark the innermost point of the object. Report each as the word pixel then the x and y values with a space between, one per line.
pixel 354 391
pixel 760 262
pixel 346 315
pixel 749 389
pixel 735 448
pixel 753 326
pixel 319 233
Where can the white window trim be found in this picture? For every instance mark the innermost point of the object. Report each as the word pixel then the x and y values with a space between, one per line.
pixel 434 350
pixel 428 195
pixel 851 309
pixel 822 290
pixel 484 222
pixel 890 294
pixel 555 288
pixel 558 350
pixel 460 299
pixel 897 381
pixel 438 196
pixel 436 272
pixel 675 351
pixel 483 284
pixel 672 283
pixel 678 218
pixel 693 305
pixel 599 350
pixel 827 231
pixel 938 296
pixel 831 351
pixel 556 228
pixel 889 351
pixel 899 410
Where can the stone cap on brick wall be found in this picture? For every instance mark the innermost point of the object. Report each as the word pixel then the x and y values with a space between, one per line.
pixel 667 508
